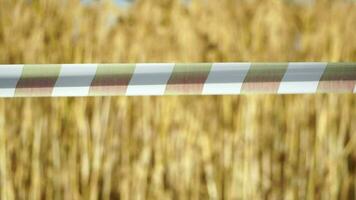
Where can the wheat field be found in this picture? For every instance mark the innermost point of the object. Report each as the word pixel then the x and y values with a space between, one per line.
pixel 178 147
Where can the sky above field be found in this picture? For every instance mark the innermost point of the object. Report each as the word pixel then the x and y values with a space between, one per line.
pixel 123 2
pixel 119 2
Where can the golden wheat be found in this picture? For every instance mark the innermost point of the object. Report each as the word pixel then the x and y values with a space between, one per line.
pixel 192 147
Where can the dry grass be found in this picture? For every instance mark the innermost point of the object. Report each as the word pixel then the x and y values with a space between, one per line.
pixel 193 147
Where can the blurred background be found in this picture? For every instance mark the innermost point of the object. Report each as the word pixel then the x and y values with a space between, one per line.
pixel 178 147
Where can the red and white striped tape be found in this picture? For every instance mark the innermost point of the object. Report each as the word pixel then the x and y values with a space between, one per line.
pixel 176 79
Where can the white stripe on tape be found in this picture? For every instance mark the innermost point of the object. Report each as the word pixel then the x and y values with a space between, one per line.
pixel 226 78
pixel 301 78
pixel 355 88
pixel 149 79
pixel 9 76
pixel 74 80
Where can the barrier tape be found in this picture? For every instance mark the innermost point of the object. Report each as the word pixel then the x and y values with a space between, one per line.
pixel 176 79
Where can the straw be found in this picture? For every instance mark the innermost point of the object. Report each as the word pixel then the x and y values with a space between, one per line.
pixel 176 79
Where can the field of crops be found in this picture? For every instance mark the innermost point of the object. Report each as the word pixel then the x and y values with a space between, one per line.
pixel 178 147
